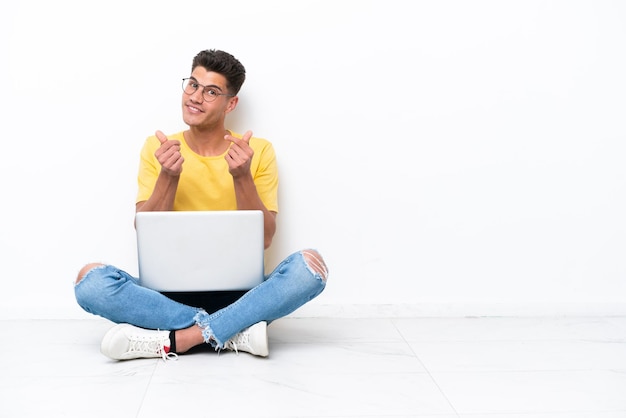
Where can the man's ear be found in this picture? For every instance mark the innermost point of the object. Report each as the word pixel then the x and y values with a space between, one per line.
pixel 232 104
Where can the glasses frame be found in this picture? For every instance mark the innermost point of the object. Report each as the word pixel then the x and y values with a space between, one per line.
pixel 207 98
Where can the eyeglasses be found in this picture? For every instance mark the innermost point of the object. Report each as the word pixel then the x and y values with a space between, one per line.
pixel 209 93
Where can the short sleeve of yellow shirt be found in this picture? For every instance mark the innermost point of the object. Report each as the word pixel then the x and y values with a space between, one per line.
pixel 205 182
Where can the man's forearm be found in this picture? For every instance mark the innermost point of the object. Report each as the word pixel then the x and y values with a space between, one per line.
pixel 162 198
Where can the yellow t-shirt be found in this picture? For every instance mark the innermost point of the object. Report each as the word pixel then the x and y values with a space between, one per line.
pixel 205 182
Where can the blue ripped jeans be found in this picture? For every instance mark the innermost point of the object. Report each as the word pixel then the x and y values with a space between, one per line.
pixel 115 295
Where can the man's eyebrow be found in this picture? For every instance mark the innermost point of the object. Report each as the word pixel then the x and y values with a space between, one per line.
pixel 209 85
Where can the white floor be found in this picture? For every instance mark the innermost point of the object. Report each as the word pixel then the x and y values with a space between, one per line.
pixel 321 367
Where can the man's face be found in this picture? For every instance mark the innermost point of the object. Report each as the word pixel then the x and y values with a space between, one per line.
pixel 205 100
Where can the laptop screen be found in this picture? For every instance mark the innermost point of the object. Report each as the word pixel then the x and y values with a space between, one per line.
pixel 200 250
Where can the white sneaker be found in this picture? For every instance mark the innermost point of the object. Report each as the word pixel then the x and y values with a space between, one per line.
pixel 251 340
pixel 125 342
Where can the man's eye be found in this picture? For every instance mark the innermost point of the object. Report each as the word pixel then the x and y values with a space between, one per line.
pixel 211 92
pixel 194 85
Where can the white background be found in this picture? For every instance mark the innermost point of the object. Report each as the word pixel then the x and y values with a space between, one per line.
pixel 447 157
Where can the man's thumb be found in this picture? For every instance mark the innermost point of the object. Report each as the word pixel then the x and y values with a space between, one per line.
pixel 161 137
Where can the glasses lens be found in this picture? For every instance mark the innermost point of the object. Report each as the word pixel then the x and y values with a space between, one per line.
pixel 210 95
pixel 188 86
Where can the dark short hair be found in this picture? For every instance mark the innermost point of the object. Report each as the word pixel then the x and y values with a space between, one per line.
pixel 222 63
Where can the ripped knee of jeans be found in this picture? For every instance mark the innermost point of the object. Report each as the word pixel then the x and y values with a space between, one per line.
pixel 86 270
pixel 316 263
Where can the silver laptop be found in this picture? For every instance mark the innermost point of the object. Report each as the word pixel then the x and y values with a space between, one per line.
pixel 181 251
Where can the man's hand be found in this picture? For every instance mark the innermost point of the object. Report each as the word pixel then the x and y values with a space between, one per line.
pixel 239 155
pixel 168 155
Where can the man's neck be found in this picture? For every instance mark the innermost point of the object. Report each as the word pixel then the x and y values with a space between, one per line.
pixel 207 143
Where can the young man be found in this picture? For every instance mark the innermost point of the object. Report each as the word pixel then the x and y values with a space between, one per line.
pixel 205 167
